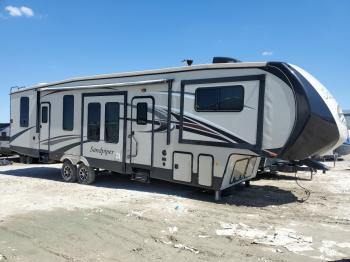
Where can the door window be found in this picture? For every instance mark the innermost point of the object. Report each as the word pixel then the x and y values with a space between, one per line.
pixel 141 115
pixel 112 122
pixel 94 121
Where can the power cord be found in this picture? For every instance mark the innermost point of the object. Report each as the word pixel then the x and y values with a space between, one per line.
pixel 307 191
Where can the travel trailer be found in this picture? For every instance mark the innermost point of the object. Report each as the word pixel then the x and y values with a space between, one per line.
pixel 344 149
pixel 200 125
pixel 5 139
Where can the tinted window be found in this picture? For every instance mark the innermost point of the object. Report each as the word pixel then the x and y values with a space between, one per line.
pixel 226 98
pixel 231 98
pixel 94 117
pixel 112 122
pixel 44 113
pixel 24 112
pixel 68 112
pixel 141 118
pixel 207 99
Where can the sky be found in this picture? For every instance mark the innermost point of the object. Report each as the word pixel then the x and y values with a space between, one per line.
pixel 45 41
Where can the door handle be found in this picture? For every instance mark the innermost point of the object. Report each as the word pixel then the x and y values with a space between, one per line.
pixel 136 145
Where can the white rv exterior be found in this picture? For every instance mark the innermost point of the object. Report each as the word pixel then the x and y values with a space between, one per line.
pixel 4 139
pixel 203 125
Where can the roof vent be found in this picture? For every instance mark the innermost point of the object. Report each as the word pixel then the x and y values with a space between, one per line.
pixel 187 62
pixel 222 59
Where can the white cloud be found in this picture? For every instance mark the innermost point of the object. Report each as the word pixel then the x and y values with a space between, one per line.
pixel 13 11
pixel 267 53
pixel 27 11
pixel 19 11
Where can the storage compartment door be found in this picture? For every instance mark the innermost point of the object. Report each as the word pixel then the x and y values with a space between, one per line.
pixel 205 170
pixel 182 167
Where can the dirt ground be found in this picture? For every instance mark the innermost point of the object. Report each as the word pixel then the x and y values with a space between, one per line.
pixel 44 219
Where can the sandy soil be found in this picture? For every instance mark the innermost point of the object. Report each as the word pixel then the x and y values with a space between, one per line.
pixel 44 219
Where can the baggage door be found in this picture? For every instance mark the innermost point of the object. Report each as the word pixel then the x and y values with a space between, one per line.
pixel 182 166
pixel 44 144
pixel 103 139
pixel 142 131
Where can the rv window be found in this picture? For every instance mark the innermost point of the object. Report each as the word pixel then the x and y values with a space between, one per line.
pixel 24 112
pixel 112 122
pixel 44 114
pixel 206 99
pixel 141 118
pixel 225 98
pixel 94 116
pixel 68 112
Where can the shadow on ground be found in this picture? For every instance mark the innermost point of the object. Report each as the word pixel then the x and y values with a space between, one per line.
pixel 253 196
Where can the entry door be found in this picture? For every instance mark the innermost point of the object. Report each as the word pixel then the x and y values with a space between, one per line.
pixel 142 131
pixel 45 127
pixel 103 129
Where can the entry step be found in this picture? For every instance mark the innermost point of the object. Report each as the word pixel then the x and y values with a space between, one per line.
pixel 141 176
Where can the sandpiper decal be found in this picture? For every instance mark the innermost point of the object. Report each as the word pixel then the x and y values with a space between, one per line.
pixel 101 151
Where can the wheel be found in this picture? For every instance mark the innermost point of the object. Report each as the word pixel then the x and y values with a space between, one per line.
pixel 69 172
pixel 29 160
pixel 22 159
pixel 86 174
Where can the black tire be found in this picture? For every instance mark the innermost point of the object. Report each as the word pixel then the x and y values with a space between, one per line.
pixel 86 175
pixel 69 172
pixel 22 159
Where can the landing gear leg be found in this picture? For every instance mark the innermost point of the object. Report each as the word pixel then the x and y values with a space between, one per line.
pixel 217 195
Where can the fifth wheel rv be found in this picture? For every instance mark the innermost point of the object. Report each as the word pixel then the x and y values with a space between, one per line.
pixel 201 125
pixel 5 139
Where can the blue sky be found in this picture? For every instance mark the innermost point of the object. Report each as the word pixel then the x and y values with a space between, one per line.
pixel 44 41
